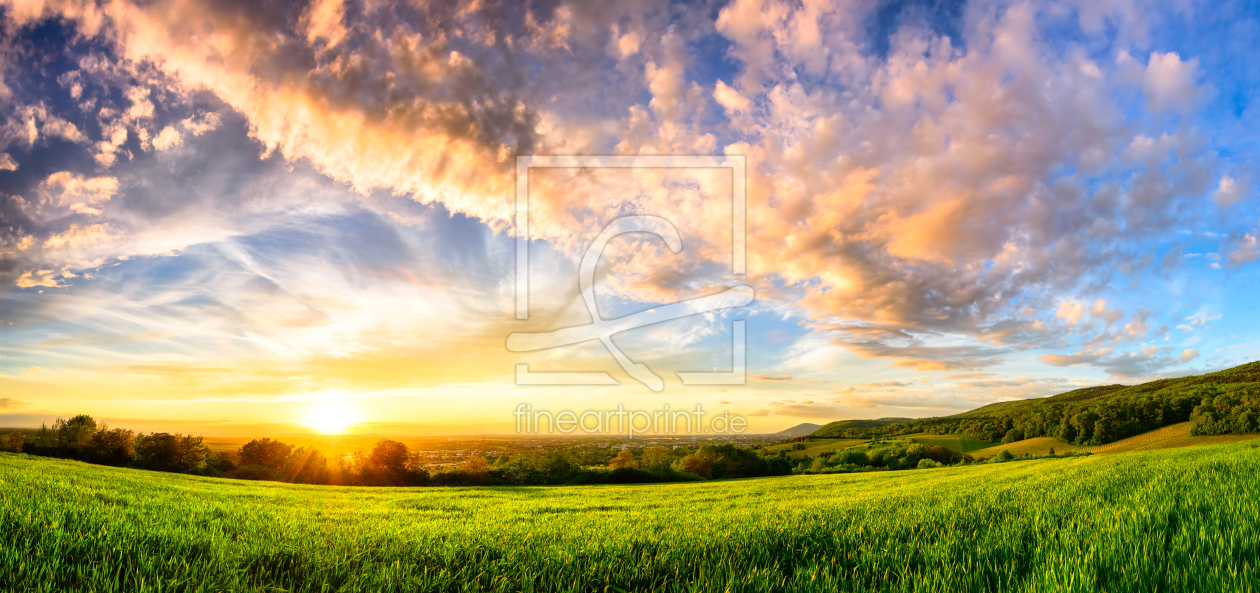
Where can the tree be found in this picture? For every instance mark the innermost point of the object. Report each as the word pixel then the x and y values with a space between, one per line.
pixel 76 433
pixel 265 453
pixel 623 459
pixel 171 452
pixel 1012 436
pixel 112 446
pixel 1004 456
pixel 307 465
pixel 386 465
pixel 656 459
pixel 11 442
pixel 699 463
pixel 476 468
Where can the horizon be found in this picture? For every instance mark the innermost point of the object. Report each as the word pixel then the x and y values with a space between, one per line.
pixel 229 219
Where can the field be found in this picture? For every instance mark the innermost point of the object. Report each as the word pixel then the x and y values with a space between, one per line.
pixel 1168 437
pixel 816 447
pixel 956 442
pixel 1168 520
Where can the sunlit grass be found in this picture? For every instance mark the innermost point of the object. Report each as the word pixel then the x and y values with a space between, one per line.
pixel 1170 520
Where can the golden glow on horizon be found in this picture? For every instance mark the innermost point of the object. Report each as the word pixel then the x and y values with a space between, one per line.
pixel 331 417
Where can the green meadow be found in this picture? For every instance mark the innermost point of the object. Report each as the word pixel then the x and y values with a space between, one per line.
pixel 1164 520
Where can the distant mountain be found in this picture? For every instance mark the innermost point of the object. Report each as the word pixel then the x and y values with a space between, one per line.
pixel 799 430
pixel 840 427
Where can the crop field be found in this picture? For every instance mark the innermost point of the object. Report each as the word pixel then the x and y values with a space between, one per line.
pixel 1168 520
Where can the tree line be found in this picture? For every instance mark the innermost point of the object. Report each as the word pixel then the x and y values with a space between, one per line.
pixel 387 463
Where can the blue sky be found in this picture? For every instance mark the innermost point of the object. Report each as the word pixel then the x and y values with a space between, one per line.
pixel 219 217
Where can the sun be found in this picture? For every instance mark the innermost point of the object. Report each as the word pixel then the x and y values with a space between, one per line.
pixel 331 417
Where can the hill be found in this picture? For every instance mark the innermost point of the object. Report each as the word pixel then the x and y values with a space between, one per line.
pixel 844 428
pixel 1169 437
pixel 1222 403
pixel 1192 513
pixel 800 430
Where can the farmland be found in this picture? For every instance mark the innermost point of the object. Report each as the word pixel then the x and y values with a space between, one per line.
pixel 1174 519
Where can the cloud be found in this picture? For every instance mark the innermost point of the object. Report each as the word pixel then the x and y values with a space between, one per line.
pixel 1169 83
pixel 1245 251
pixel 7 163
pixel 930 201
pixel 8 403
pixel 1070 312
pixel 729 98
pixel 1108 316
pixel 65 191
pixel 1229 190
pixel 168 138
pixel 1189 355
pixel 1064 360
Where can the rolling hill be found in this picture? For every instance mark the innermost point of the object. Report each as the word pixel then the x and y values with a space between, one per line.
pixel 1222 403
pixel 842 428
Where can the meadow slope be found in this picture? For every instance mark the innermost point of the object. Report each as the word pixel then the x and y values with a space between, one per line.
pixel 1167 520
pixel 1169 437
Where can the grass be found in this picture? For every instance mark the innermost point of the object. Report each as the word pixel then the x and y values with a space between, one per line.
pixel 1169 437
pixel 1167 520
pixel 816 447
pixel 959 443
pixel 1034 446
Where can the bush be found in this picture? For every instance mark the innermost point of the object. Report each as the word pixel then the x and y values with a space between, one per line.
pixel 928 464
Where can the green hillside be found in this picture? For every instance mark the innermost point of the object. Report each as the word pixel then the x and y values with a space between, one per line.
pixel 852 428
pixel 1225 402
pixel 1171 520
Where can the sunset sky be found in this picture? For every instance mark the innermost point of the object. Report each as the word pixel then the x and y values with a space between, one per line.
pixel 220 216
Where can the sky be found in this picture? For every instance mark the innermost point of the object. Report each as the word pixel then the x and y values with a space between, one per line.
pixel 234 217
